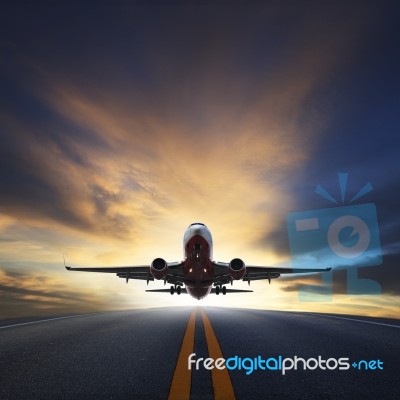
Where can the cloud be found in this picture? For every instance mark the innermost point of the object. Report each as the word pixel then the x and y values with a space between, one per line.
pixel 199 127
pixel 214 114
pixel 386 275
pixel 26 294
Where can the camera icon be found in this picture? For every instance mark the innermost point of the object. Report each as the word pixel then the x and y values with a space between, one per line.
pixel 345 237
pixel 337 237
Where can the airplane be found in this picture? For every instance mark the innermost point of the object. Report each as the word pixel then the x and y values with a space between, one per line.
pixel 197 272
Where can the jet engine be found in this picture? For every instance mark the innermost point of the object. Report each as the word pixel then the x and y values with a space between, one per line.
pixel 158 268
pixel 237 269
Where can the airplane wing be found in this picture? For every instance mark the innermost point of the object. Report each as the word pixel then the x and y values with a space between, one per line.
pixel 140 272
pixel 175 273
pixel 255 273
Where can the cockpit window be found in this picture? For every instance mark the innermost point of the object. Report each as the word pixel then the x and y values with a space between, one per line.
pixel 196 223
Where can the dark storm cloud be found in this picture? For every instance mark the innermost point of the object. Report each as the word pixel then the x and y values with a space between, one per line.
pixel 178 61
pixel 187 61
pixel 359 103
pixel 362 135
pixel 43 165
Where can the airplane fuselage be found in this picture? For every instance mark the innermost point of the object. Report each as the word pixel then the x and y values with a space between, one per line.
pixel 198 267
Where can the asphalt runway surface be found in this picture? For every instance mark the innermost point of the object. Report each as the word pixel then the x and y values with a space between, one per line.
pixel 143 354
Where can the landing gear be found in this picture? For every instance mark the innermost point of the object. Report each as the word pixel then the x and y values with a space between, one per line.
pixel 219 289
pixel 176 289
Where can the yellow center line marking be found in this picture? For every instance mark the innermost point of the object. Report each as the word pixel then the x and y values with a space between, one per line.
pixel 182 379
pixel 222 384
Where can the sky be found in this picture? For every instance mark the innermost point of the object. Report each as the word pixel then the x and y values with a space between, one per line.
pixel 122 124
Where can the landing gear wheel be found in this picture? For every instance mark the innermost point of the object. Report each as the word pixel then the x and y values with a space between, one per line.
pixel 224 290
pixel 178 290
pixel 217 289
pixel 172 290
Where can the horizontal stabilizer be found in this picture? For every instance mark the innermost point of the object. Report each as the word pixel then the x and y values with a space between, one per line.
pixel 234 290
pixel 183 291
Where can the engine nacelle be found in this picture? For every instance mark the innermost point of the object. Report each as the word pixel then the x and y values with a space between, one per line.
pixel 237 269
pixel 158 268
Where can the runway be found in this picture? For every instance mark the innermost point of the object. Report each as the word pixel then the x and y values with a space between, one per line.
pixel 143 354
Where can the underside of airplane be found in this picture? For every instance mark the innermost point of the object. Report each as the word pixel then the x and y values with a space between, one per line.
pixel 197 275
